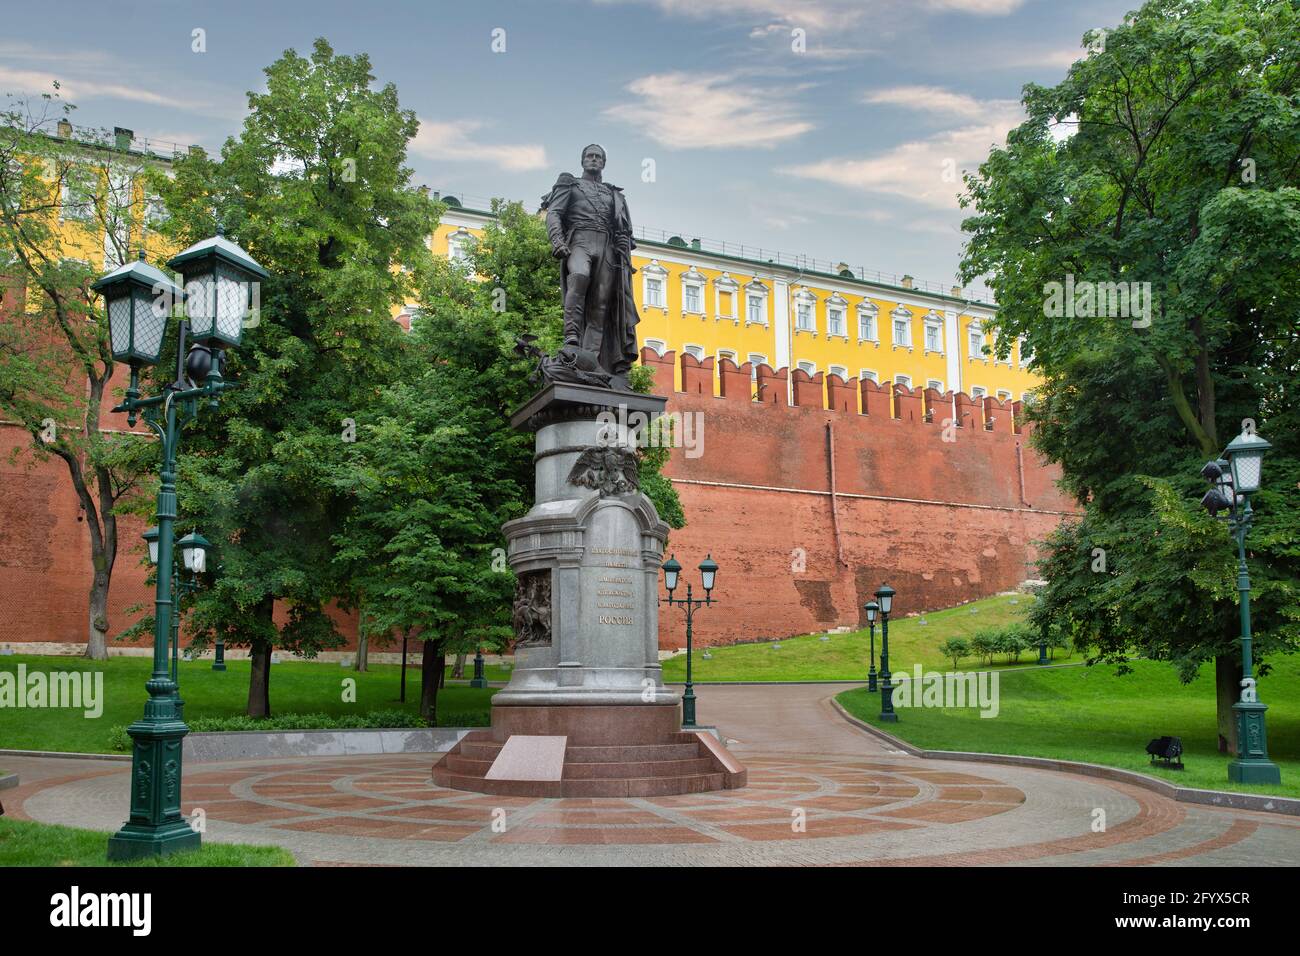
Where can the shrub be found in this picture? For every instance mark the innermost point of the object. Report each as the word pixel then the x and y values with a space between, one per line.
pixel 984 644
pixel 956 648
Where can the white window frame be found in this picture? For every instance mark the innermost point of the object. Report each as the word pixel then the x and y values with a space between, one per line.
pixel 726 353
pixel 901 314
pixel 458 247
pixel 757 290
pixel 933 322
pixel 839 370
pixel 901 379
pixel 653 270
pixel 869 375
pixel 836 304
pixel 869 311
pixel 976 352
pixel 1003 395
pixel 694 280
pixel 803 299
pixel 695 350
pixel 978 391
pixel 755 360
pixel 722 285
pixel 659 345
pixel 808 368
pixel 935 384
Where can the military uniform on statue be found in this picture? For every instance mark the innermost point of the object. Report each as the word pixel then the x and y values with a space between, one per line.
pixel 586 712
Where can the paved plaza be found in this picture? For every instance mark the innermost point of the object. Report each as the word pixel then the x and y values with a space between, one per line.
pixel 821 792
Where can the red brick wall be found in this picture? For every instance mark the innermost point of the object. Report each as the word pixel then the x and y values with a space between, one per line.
pixel 963 531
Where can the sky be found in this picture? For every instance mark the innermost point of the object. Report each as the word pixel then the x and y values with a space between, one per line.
pixel 830 128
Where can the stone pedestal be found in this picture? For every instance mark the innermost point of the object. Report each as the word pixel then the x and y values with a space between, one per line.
pixel 586 616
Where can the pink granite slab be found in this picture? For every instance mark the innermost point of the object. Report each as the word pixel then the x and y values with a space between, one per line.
pixel 526 757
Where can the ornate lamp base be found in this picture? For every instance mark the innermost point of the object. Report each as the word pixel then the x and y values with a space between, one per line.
pixel 1252 764
pixel 156 826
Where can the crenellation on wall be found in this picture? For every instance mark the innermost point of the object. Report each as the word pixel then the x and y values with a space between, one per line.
pixel 697 375
pixel 735 382
pixel 807 389
pixel 907 404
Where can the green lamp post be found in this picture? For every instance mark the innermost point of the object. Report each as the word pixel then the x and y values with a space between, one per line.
pixel 885 598
pixel 193 548
pixel 1233 482
pixel 708 576
pixel 872 609
pixel 138 298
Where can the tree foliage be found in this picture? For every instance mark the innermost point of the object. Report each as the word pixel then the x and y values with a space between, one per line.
pixel 1169 157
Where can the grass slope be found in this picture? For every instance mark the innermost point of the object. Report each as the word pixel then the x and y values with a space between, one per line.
pixel 26 843
pixel 846 656
pixel 1091 715
pixel 296 687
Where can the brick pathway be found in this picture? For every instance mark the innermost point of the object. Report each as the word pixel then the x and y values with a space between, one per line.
pixel 820 792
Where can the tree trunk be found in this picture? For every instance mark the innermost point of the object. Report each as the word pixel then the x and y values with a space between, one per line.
pixel 433 663
pixel 1227 688
pixel 97 626
pixel 458 668
pixel 363 650
pixel 259 680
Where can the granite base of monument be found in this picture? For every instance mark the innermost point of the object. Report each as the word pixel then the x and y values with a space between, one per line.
pixel 586 712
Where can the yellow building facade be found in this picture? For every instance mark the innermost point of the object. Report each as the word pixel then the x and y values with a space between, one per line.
pixel 714 304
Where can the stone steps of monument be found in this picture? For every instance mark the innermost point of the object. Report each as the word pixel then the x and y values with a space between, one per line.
pixel 686 750
pixel 480 749
pixel 474 767
pixel 630 769
pixel 644 786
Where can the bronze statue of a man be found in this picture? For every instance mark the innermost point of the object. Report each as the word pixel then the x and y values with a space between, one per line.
pixel 591 234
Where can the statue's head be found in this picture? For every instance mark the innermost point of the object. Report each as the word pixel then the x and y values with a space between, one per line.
pixel 593 158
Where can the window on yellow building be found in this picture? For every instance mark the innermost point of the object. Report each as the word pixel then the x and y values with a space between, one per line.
pixel 903 380
pixel 935 384
pixel 835 320
pixel 902 328
pixel 810 368
pixel 841 371
pixel 933 336
pixel 695 350
pixel 867 323
pixel 654 292
pixel 976 341
pixel 726 354
pixel 755 360
pixel 1004 395
pixel 978 391
pixel 756 313
pixel 692 298
pixel 658 345
pixel 804 312
pixel 726 305
pixel 867 375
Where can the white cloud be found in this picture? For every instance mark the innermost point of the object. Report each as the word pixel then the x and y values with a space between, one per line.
pixel 934 99
pixel 688 111
pixel 986 8
pixel 809 14
pixel 926 171
pixel 453 141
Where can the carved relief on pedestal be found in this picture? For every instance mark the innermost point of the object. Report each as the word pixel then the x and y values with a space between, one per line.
pixel 609 469
pixel 532 609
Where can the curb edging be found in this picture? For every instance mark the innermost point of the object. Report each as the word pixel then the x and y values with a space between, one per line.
pixel 1288 806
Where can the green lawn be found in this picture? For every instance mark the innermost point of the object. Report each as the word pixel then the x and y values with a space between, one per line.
pixel 1091 715
pixel 24 843
pixel 846 656
pixel 296 687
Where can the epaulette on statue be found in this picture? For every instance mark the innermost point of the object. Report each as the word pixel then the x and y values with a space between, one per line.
pixel 564 181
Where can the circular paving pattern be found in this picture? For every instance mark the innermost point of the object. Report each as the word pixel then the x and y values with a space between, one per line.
pixel 821 792
pixel 787 798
